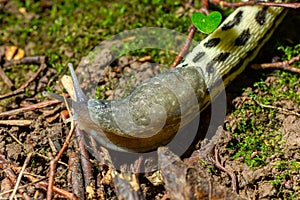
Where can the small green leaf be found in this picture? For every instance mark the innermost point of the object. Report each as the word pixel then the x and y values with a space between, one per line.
pixel 206 24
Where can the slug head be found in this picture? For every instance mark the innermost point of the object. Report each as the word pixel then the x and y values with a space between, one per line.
pixel 82 115
pixel 79 105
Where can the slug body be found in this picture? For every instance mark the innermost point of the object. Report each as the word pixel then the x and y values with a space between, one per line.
pixel 152 114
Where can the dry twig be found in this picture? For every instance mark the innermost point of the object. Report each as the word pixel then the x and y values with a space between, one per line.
pixel 205 7
pixel 231 174
pixel 29 108
pixel 85 160
pixel 35 60
pixel 250 3
pixel 285 65
pixel 55 160
pixel 185 48
pixel 20 176
pixel 282 110
pixel 75 175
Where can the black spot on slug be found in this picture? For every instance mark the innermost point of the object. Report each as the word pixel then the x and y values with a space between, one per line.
pixel 251 53
pixel 260 16
pixel 210 67
pixel 219 58
pixel 212 42
pixel 236 20
pixel 242 38
pixel 184 65
pixel 198 56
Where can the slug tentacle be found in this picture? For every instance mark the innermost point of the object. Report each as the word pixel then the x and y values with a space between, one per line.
pixel 80 96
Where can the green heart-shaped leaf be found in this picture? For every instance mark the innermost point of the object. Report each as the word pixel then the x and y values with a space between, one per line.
pixel 206 24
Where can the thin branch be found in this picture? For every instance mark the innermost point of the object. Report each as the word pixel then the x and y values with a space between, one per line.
pixel 20 176
pixel 85 160
pixel 285 65
pixel 55 160
pixel 282 110
pixel 231 174
pixel 251 3
pixel 35 60
pixel 29 108
pixel 204 7
pixel 15 138
pixel 280 4
pixel 185 48
pixel 47 158
pixel 75 175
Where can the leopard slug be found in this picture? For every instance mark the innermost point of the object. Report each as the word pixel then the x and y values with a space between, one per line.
pixel 152 114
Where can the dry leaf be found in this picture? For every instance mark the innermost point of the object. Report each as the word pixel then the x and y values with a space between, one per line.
pixel 14 53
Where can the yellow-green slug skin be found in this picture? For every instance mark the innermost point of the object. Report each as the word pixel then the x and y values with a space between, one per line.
pixel 152 114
